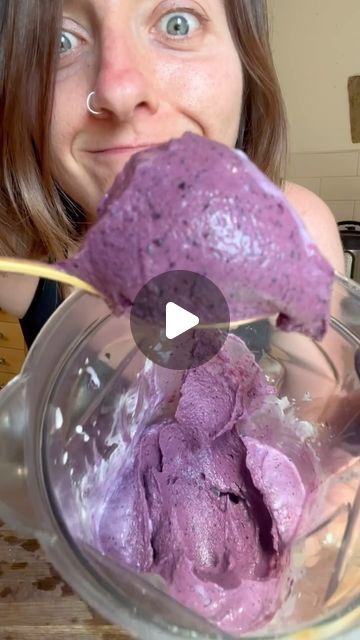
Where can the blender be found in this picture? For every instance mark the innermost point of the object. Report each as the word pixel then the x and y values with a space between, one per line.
pixel 82 366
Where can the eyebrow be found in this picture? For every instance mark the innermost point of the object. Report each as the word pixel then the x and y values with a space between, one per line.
pixel 78 7
pixel 75 3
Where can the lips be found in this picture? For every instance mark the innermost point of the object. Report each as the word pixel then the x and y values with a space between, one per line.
pixel 126 148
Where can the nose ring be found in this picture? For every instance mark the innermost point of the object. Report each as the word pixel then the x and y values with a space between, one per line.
pixel 89 107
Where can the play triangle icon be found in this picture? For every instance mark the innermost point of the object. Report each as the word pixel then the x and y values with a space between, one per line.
pixel 178 320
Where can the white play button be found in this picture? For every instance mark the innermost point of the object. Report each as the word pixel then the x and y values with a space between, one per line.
pixel 178 320
pixel 168 315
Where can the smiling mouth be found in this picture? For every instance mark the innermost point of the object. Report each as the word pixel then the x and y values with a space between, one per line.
pixel 124 149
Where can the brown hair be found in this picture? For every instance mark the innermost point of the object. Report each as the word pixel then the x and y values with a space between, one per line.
pixel 33 221
pixel 262 133
pixel 33 217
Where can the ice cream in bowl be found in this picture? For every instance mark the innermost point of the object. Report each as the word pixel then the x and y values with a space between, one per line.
pixel 212 501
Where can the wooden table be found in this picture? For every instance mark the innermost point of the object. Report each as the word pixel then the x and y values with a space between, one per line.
pixel 36 604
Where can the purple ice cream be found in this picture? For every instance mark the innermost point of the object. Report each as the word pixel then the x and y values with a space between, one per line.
pixel 210 483
pixel 194 204
pixel 208 487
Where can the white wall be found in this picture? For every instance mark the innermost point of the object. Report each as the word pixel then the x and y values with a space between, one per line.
pixel 316 46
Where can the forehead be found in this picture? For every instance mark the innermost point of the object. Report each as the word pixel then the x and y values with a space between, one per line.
pixel 105 5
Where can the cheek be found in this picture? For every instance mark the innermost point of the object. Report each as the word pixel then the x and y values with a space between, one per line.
pixel 60 133
pixel 208 90
pixel 66 120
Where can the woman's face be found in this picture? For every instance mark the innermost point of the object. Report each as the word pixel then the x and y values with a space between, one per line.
pixel 158 69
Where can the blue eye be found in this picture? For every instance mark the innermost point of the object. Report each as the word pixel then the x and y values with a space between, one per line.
pixel 68 41
pixel 179 24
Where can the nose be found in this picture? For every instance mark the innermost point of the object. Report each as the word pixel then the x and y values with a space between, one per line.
pixel 125 82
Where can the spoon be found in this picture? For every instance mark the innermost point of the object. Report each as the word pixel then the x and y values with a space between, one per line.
pixel 51 272
pixel 44 270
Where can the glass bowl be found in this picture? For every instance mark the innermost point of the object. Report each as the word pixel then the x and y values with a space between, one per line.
pixel 83 365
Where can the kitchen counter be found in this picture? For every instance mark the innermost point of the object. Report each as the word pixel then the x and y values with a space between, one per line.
pixel 36 604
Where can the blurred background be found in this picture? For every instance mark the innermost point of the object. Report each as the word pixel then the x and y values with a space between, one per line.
pixel 316 47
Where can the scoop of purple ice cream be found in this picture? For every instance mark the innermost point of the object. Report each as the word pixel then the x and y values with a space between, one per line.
pixel 210 490
pixel 194 204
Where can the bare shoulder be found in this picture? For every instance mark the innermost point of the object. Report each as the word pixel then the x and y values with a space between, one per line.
pixel 16 293
pixel 319 222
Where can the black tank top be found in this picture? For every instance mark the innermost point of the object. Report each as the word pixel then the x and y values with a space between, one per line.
pixel 46 300
pixel 48 295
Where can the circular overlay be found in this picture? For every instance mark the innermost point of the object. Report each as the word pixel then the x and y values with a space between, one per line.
pixel 170 320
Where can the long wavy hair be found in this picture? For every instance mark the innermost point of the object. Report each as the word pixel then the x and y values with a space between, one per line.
pixel 34 213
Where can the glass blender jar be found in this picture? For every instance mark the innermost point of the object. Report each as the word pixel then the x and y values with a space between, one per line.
pixel 81 366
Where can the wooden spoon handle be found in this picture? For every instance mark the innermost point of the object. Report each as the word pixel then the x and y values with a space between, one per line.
pixel 49 271
pixel 44 270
